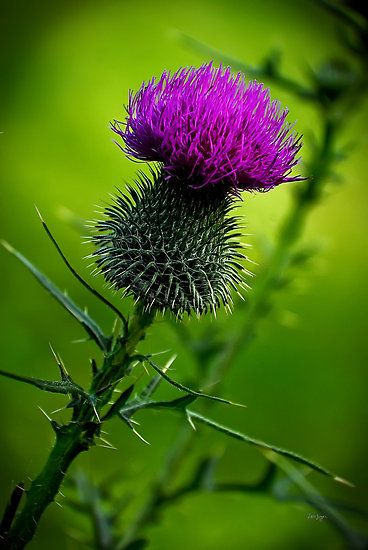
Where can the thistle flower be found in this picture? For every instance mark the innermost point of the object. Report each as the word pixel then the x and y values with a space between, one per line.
pixel 169 247
pixel 208 127
pixel 171 243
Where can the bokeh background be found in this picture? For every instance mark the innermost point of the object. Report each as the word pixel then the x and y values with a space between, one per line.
pixel 66 71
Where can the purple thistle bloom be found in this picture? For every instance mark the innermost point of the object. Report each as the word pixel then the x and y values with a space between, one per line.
pixel 209 127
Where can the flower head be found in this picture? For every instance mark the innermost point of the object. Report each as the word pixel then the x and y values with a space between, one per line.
pixel 208 127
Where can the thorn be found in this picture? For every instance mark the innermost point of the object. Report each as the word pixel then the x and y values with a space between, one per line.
pixel 7 246
pixel 81 340
pixel 132 421
pixel 160 352
pixel 95 410
pixel 47 416
pixel 189 418
pixel 107 447
pixel 108 443
pixel 166 367
pixel 344 481
pixel 64 373
pixel 58 410
pixel 58 503
pixel 235 404
pixel 39 214
pixel 140 437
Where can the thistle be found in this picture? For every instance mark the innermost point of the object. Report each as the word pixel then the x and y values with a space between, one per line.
pixel 171 243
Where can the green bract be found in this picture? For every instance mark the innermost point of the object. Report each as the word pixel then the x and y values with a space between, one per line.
pixel 171 247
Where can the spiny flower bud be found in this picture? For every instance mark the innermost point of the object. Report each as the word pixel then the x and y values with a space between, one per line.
pixel 170 247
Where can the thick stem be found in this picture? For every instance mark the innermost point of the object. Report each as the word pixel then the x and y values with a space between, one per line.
pixel 116 363
pixel 71 440
pixel 76 436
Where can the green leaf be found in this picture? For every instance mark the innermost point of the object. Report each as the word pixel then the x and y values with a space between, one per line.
pixel 264 446
pixel 130 424
pixel 65 387
pixel 79 278
pixel 119 403
pixel 179 404
pixel 151 387
pixel 91 327
pixel 181 387
pixel 155 382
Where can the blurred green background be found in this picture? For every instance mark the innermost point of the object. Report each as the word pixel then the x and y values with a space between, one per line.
pixel 66 71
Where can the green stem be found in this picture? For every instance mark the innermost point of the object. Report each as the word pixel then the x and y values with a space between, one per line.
pixel 71 440
pixel 76 436
pixel 116 363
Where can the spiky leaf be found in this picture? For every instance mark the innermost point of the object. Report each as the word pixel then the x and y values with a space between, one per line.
pixel 91 327
pixel 266 447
